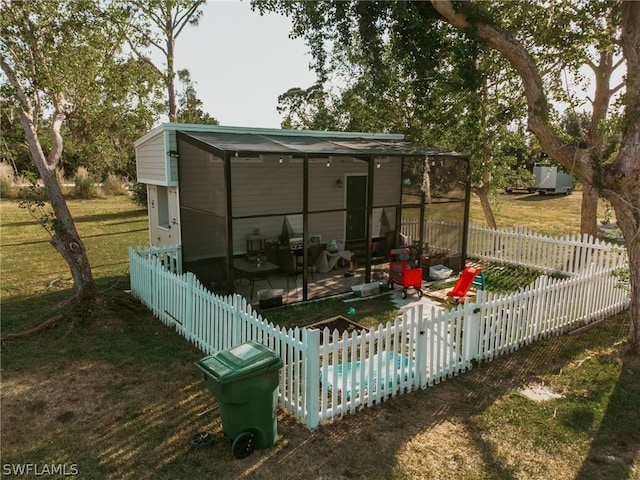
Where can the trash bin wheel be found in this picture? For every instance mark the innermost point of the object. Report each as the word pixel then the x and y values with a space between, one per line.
pixel 243 445
pixel 419 293
pixel 390 285
pixel 403 294
pixel 201 439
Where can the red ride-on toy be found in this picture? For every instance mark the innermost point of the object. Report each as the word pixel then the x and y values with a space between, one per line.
pixel 404 271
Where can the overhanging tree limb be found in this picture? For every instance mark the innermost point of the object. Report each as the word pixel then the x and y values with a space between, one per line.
pixel 524 64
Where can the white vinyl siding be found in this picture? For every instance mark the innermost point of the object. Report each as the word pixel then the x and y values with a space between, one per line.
pixel 150 165
pixel 154 164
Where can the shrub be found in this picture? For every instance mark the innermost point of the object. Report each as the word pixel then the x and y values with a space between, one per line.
pixel 7 181
pixel 113 186
pixel 139 194
pixel 85 187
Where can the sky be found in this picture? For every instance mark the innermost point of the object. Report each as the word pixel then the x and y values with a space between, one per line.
pixel 240 62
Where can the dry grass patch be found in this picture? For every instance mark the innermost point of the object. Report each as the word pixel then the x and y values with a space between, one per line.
pixel 445 450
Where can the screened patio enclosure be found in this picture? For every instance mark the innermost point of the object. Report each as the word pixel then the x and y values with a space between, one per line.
pixel 312 213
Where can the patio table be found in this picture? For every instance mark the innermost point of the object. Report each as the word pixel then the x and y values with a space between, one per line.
pixel 254 271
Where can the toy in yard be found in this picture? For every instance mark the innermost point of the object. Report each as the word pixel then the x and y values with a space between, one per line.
pixel 471 277
pixel 404 271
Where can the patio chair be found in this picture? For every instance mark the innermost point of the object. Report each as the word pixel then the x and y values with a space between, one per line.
pixel 290 262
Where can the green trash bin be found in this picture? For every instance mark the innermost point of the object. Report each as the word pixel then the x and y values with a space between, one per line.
pixel 245 380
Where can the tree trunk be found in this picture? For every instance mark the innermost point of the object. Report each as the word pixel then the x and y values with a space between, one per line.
pixel 483 194
pixel 628 220
pixel 589 211
pixel 65 238
pixel 171 76
pixel 602 98
pixel 622 176
pixel 483 191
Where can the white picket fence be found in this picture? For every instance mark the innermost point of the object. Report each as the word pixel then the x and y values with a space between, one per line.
pixel 438 235
pixel 428 348
pixel 546 307
pixel 569 255
pixel 338 375
pixel 521 246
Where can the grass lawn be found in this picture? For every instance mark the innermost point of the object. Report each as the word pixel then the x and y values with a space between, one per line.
pixel 113 392
pixel 555 215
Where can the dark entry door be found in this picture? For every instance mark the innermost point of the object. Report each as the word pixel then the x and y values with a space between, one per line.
pixel 356 207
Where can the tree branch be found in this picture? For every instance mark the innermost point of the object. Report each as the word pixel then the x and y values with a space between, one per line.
pixel 537 103
pixel 617 88
pixel 55 154
pixel 13 80
pixel 184 19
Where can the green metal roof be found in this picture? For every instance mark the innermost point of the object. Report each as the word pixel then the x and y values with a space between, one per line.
pixel 297 142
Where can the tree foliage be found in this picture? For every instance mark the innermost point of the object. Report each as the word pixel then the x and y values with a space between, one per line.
pixel 189 105
pixel 157 25
pixel 616 179
pixel 100 133
pixel 106 98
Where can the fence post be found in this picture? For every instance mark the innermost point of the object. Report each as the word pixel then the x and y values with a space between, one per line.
pixel 590 277
pixel 471 328
pixel 541 288
pixel 311 376
pixel 133 272
pixel 187 322
pixel 421 345
pixel 179 259
pixel 154 285
pixel 236 329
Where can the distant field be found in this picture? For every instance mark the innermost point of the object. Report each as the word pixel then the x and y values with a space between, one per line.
pixel 555 215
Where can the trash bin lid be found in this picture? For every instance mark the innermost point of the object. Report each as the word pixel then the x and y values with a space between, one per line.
pixel 248 359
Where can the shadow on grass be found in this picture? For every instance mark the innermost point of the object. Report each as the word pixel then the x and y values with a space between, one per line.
pixel 450 431
pixel 22 312
pixel 617 441
pixel 534 197
pixel 26 311
pixel 111 396
pixel 120 397
pixel 133 215
pixel 82 237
